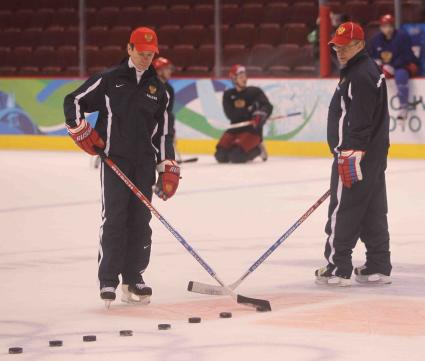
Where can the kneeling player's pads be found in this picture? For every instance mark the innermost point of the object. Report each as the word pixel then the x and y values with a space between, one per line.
pixel 168 180
pixel 86 137
pixel 349 168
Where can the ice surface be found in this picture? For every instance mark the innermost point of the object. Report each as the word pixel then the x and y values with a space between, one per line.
pixel 49 220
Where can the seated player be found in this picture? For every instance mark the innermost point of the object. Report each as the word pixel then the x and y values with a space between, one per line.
pixel 243 103
pixel 392 50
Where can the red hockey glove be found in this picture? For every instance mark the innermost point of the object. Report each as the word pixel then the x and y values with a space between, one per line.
pixel 349 169
pixel 259 119
pixel 388 71
pixel 168 180
pixel 86 137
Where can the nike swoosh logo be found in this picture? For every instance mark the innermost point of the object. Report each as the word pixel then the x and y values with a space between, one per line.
pixel 119 85
pixel 146 247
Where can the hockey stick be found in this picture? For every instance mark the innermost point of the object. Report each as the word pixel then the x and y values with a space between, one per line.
pixel 260 305
pixel 216 290
pixel 250 122
pixel 188 160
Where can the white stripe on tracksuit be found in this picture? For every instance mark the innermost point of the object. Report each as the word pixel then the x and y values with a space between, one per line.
pixel 102 180
pixel 109 125
pixel 79 96
pixel 165 130
pixel 340 186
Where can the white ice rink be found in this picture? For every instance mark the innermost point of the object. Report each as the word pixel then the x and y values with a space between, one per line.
pixel 49 221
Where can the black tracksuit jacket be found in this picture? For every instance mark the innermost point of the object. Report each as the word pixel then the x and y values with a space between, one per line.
pixel 358 114
pixel 133 119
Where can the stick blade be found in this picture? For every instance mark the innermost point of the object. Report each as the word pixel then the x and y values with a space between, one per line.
pixel 206 289
pixel 259 304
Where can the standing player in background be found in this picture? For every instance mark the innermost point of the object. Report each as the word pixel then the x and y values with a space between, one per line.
pixel 392 50
pixel 358 136
pixel 243 103
pixel 133 130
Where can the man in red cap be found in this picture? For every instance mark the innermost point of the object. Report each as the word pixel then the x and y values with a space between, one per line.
pixel 392 51
pixel 358 137
pixel 243 103
pixel 133 130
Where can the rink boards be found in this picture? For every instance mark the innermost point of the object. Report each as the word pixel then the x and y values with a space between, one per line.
pixel 31 115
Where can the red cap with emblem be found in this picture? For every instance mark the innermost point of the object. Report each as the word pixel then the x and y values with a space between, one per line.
pixel 347 32
pixel 161 62
pixel 387 19
pixel 144 39
pixel 236 69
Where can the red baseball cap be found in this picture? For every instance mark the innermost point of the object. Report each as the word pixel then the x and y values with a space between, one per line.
pixel 347 32
pixel 144 39
pixel 387 19
pixel 161 62
pixel 236 69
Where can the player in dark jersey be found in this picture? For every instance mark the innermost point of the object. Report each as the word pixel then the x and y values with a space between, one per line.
pixel 243 103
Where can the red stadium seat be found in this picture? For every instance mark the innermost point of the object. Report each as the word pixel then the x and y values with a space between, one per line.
pixel 10 37
pixel 206 55
pixel 305 64
pixel 179 14
pixel 287 55
pixel 295 33
pixel 276 13
pixel 230 13
pixel 198 70
pixel 168 34
pixel 412 11
pixel 44 56
pixel 68 56
pixel 119 35
pixel 269 34
pixel 241 34
pixel 22 56
pixel 359 11
pixel 251 13
pixel 98 36
pixel 5 19
pixel 280 70
pixel 192 34
pixel 262 55
pixel 65 18
pixel 106 16
pixel 157 15
pixel 303 12
pixel 182 55
pixel 202 15
pixel 233 54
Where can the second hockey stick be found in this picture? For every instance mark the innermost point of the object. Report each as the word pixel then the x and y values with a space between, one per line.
pixel 271 119
pixel 261 305
pixel 208 289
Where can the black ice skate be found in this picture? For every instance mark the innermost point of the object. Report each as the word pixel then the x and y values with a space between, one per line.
pixel 263 155
pixel 108 295
pixel 363 275
pixel 137 293
pixel 325 277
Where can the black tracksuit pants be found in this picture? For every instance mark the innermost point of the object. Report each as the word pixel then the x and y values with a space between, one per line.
pixel 359 212
pixel 125 234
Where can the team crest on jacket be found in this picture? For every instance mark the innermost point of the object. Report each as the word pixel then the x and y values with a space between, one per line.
pixel 340 30
pixel 152 89
pixel 148 37
pixel 239 103
pixel 386 56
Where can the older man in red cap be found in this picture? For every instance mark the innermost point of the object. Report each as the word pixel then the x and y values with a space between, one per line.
pixel 133 130
pixel 358 137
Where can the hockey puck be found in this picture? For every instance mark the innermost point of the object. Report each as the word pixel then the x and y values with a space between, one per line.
pixel 89 338
pixel 225 314
pixel 126 333
pixel 55 343
pixel 194 320
pixel 164 326
pixel 16 350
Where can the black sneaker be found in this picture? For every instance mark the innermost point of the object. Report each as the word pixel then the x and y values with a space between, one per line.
pixel 136 293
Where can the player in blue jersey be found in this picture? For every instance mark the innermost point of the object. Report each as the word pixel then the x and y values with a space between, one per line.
pixel 392 50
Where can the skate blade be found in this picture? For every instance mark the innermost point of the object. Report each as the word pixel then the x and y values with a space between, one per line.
pixel 374 280
pixel 324 281
pixel 136 300
pixel 107 304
